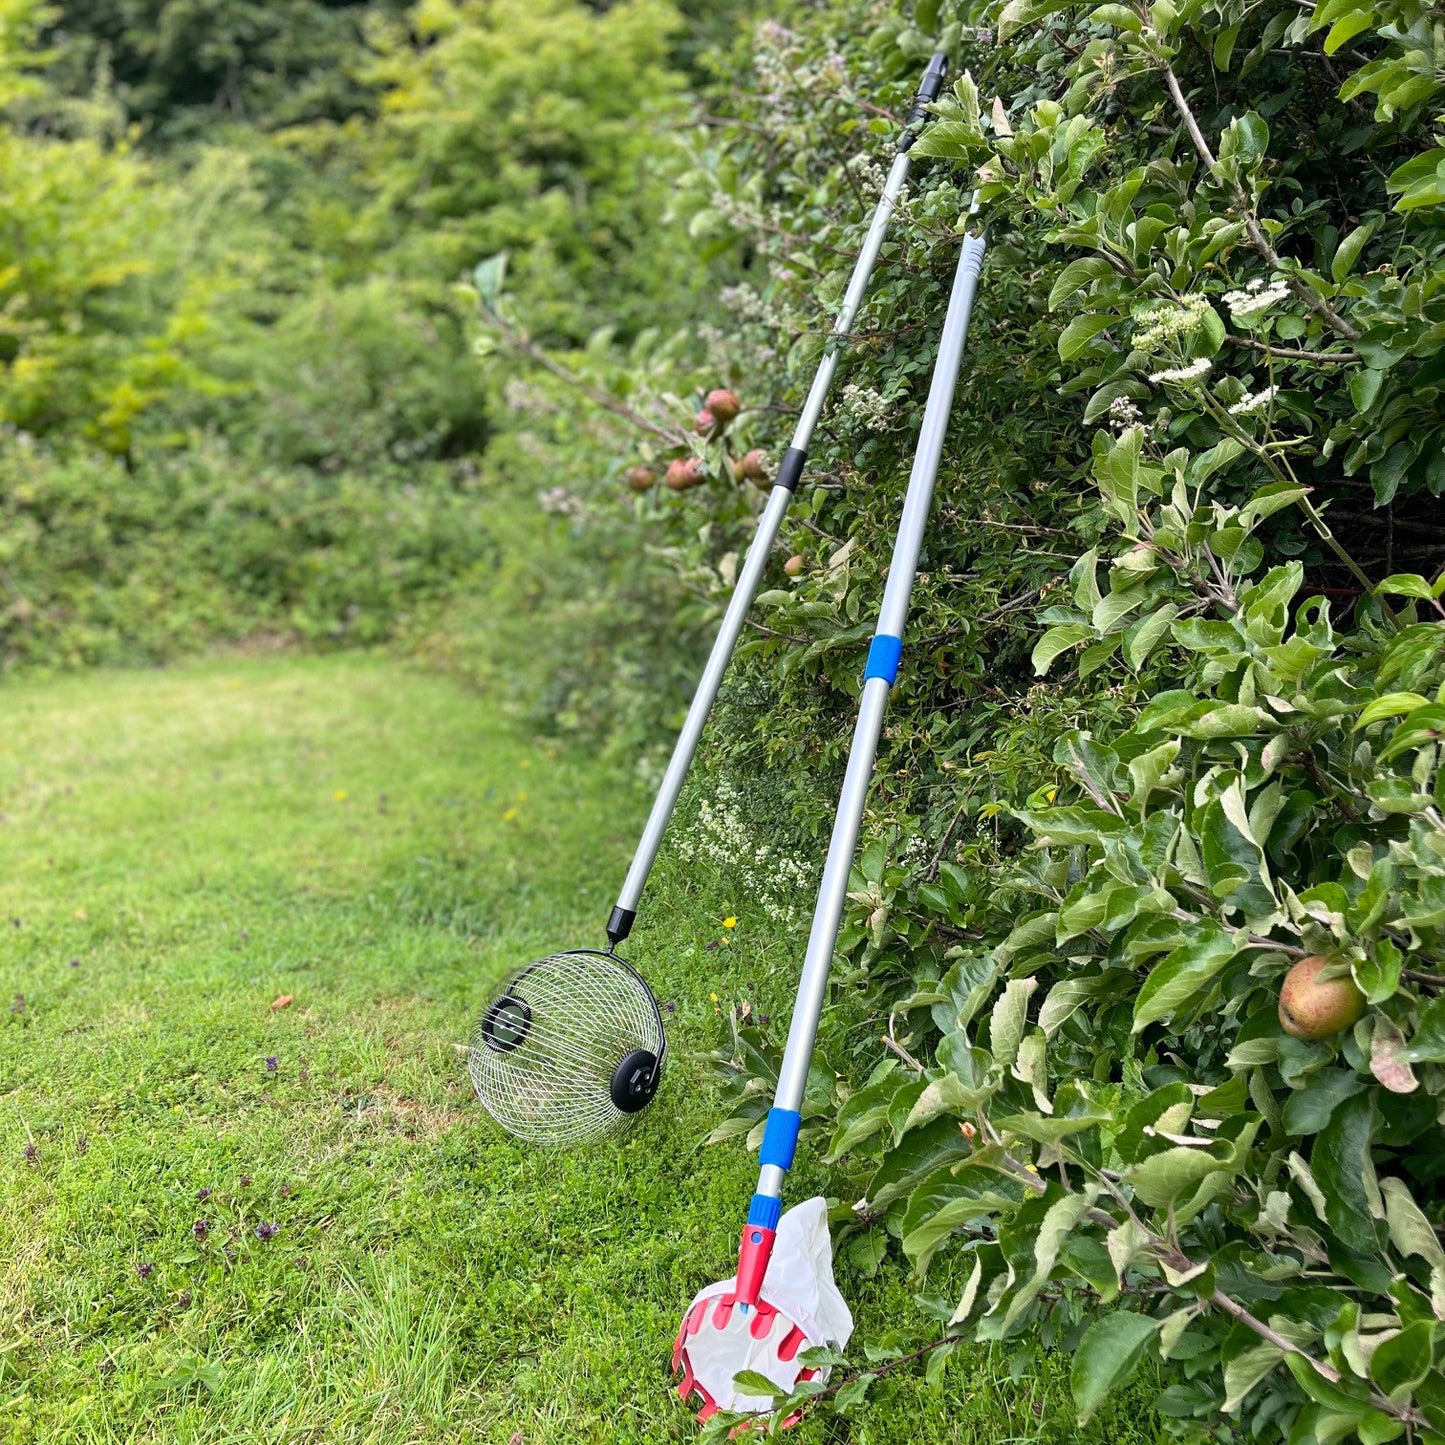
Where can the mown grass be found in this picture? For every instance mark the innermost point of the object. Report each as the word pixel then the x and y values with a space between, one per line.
pixel 178 851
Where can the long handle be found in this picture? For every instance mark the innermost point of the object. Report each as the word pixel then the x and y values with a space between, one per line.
pixel 780 1136
pixel 790 472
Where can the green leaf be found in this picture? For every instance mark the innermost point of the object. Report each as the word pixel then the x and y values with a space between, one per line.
pixel 1058 640
pixel 1180 976
pixel 1410 1231
pixel 1419 728
pixel 1391 705
pixel 1401 1363
pixel 1144 636
pixel 852 1393
pixel 1077 335
pixel 1064 999
pixel 1344 1172
pixel 1162 1178
pixel 1245 1370
pixel 489 276
pixel 1308 1110
pixel 1107 1355
pixel 1006 1022
pixel 1348 251
pixel 1075 277
pixel 1059 1222
pixel 1070 826
pixel 1405 584
pixel 749 1382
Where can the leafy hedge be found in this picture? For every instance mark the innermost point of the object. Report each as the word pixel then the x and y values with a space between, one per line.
pixel 1174 685
pixel 103 565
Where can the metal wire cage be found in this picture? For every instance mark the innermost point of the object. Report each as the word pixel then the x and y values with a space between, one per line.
pixel 569 1049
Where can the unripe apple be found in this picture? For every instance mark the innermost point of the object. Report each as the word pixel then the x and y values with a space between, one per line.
pixel 723 404
pixel 683 473
pixel 704 424
pixel 1311 1009
pixel 735 470
pixel 640 478
pixel 793 565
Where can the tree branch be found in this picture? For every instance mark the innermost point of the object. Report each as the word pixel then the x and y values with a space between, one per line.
pixel 1253 229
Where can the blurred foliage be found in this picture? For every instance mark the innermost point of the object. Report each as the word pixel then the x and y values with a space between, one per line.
pixel 230 251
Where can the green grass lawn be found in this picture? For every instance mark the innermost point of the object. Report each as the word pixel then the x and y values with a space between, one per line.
pixel 179 850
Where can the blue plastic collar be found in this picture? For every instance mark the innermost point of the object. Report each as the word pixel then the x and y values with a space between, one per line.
pixel 765 1212
pixel 883 655
pixel 780 1138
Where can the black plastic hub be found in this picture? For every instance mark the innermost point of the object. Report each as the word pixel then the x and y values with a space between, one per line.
pixel 634 1081
pixel 507 1024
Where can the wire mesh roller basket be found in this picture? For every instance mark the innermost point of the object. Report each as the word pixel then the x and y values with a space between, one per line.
pixel 569 1049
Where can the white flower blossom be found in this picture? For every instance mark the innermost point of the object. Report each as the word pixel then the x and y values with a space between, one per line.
pixel 1256 401
pixel 1255 297
pixel 1165 324
pixel 871 409
pixel 1192 372
pixel 721 835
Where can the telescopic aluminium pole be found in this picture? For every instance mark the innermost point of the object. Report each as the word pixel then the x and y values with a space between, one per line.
pixel 780 1135
pixel 790 472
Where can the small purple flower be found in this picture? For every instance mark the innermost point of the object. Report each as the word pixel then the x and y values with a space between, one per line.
pixel 199 1229
pixel 184 1299
pixel 272 1063
pixel 204 1192
pixel 266 1230
pixel 18 1007
pixel 145 1270
pixel 763 1019
pixel 32 1155
pixel 75 963
pixel 670 1008
pixel 82 1145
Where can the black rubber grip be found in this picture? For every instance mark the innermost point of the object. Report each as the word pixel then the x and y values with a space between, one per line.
pixel 928 91
pixel 790 473
pixel 620 924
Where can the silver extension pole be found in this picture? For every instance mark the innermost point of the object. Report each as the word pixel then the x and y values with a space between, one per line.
pixel 881 670
pixel 790 471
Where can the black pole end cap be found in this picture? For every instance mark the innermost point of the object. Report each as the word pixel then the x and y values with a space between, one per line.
pixel 620 924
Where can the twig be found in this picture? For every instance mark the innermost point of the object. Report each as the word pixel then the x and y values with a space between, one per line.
pixel 1285 353
pixel 1425 980
pixel 1253 229
pixel 528 348
pixel 757 626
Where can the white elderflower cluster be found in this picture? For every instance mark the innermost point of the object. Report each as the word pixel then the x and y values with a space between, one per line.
pixel 1255 297
pixel 781 886
pixel 1192 372
pixel 1163 325
pixel 1255 401
pixel 870 409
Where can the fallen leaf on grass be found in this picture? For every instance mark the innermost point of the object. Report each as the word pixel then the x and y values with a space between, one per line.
pixel 285 1001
